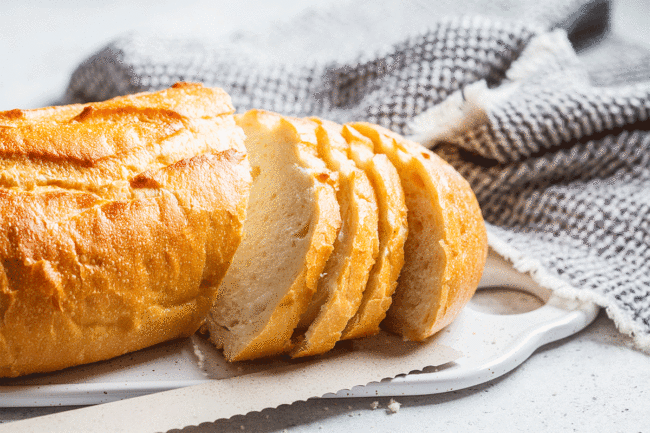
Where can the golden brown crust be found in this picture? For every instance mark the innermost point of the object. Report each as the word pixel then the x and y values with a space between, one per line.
pixel 85 134
pixel 119 220
pixel 115 140
pixel 452 245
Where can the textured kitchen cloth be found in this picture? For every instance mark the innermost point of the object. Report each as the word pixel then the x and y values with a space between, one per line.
pixel 555 144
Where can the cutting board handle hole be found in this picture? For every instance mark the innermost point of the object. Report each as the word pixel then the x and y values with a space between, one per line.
pixel 502 300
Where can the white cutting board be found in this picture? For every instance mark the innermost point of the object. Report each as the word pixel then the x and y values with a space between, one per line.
pixel 496 332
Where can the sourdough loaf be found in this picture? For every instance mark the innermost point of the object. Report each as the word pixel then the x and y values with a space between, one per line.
pixel 119 221
pixel 343 281
pixel 292 223
pixel 446 247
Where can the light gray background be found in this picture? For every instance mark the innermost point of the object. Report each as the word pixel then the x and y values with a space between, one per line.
pixel 593 381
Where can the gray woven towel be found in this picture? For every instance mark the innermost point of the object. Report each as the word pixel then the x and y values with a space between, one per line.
pixel 555 144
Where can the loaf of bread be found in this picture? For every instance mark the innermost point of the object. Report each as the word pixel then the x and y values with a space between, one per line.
pixel 119 221
pixel 136 220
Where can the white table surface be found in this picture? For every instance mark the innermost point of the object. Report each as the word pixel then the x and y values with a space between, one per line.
pixel 593 381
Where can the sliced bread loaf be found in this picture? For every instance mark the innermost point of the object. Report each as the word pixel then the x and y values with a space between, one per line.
pixel 292 223
pixel 344 278
pixel 446 246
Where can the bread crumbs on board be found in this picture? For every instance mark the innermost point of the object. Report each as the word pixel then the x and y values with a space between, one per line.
pixel 393 406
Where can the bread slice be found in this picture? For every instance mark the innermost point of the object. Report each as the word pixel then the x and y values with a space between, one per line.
pixel 118 221
pixel 393 230
pixel 446 248
pixel 292 223
pixel 344 278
